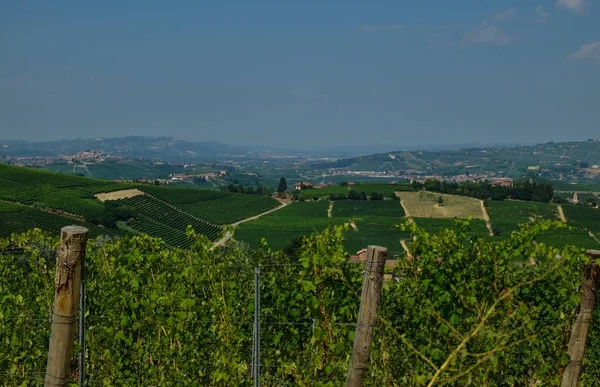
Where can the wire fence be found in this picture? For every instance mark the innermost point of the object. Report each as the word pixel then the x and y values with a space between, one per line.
pixel 86 320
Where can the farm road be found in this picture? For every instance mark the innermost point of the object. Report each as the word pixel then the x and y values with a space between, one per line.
pixel 229 234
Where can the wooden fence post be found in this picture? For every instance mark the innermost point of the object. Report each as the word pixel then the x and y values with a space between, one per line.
pixel 579 332
pixel 367 315
pixel 67 282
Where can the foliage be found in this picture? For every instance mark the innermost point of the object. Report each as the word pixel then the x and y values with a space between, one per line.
pixel 521 190
pixel 282 186
pixel 464 311
pixel 469 311
pixel 17 218
pixel 160 219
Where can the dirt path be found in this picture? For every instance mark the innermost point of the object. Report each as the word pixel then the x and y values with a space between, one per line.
pixel 223 240
pixel 561 213
pixel 406 213
pixel 486 218
pixel 405 247
pixel 594 236
pixel 330 209
pixel 229 234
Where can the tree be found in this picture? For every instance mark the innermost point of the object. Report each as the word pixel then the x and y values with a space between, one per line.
pixel 440 201
pixel 282 187
pixel 353 195
pixel 376 196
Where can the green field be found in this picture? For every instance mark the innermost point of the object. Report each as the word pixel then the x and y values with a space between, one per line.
pixel 166 217
pixel 280 227
pixel 214 206
pixel 17 218
pixel 177 196
pixel 507 215
pixel 358 208
pixel 383 188
pixel 161 220
pixel 433 225
pixel 585 218
pixel 376 222
pixel 326 191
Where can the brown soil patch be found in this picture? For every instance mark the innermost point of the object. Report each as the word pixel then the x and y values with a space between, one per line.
pixel 122 194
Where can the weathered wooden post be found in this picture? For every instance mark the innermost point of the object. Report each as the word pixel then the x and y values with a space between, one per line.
pixel 67 282
pixel 579 332
pixel 367 315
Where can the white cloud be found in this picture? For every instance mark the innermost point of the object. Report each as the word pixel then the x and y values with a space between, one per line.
pixel 577 6
pixel 588 51
pixel 485 33
pixel 381 27
pixel 507 15
pixel 541 15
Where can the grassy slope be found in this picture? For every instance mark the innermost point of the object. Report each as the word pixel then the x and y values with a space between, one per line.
pixel 17 218
pixel 507 215
pixel 376 221
pixel 424 204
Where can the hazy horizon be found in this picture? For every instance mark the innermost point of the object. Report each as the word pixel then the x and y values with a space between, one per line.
pixel 302 75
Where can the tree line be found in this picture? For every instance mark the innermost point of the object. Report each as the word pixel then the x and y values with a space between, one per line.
pixel 527 190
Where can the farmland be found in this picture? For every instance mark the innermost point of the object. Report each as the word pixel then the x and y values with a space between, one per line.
pixel 17 218
pixel 162 220
pixel 375 222
pixel 583 217
pixel 425 205
pixel 281 227
pixel 385 189
pixel 166 213
pixel 507 215
pixel 214 206
pixel 433 225
pixel 46 199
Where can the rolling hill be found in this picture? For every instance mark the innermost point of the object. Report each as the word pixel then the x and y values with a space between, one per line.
pixel 36 198
pixel 513 161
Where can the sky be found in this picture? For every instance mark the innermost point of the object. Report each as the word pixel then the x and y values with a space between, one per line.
pixel 302 73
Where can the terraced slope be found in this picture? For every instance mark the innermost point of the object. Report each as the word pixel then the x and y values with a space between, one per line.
pixel 17 218
pixel 160 219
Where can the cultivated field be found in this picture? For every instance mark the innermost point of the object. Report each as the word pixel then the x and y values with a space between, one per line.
pixel 159 219
pixel 424 204
pixel 116 195
pixel 17 218
pixel 375 223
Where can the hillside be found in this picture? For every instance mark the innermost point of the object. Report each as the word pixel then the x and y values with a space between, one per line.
pixel 164 148
pixel 513 161
pixel 50 199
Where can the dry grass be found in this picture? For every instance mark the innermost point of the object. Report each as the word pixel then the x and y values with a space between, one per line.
pixel 116 195
pixel 424 204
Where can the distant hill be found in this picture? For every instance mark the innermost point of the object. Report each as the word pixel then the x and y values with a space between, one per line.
pixel 163 148
pixel 514 160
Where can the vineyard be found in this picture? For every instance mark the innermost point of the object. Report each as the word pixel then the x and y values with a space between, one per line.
pixel 159 219
pixel 466 312
pixel 508 215
pixel 231 208
pixel 385 189
pixel 375 221
pixel 16 218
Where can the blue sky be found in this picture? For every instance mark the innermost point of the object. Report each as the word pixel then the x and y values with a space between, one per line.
pixel 302 73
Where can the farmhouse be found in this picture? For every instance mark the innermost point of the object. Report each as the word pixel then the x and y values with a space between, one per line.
pixel 302 185
pixel 502 182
